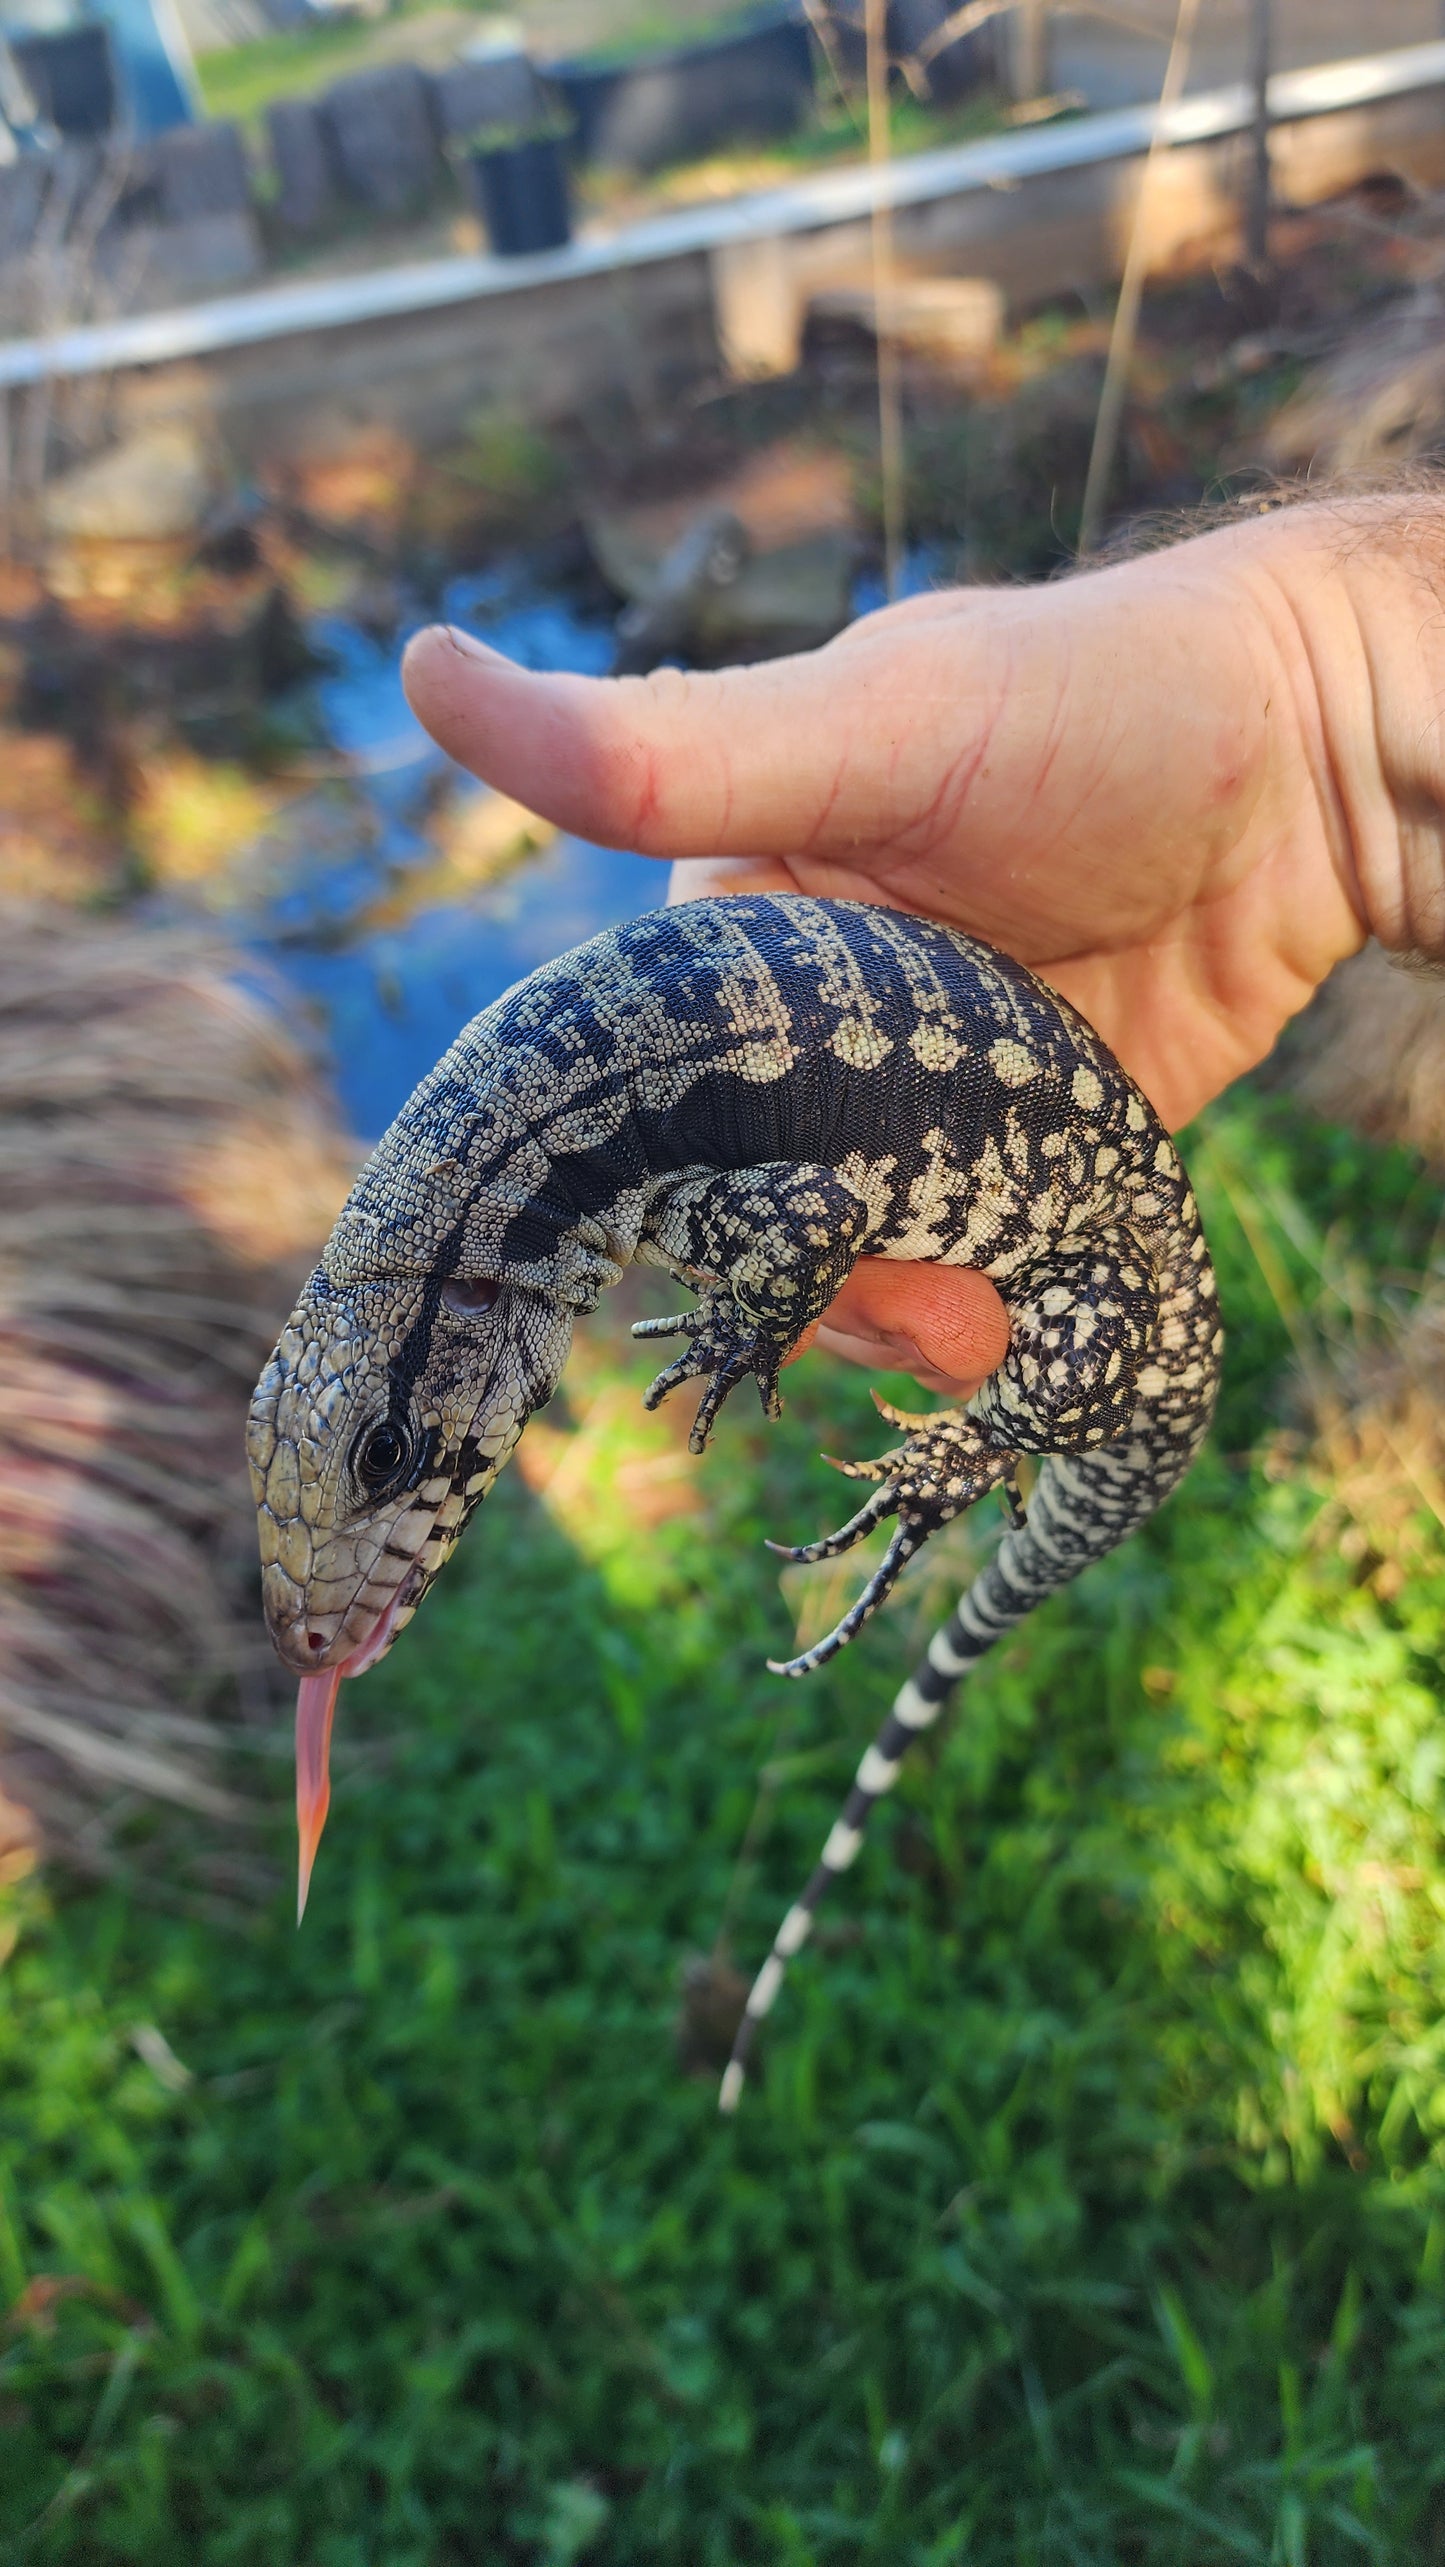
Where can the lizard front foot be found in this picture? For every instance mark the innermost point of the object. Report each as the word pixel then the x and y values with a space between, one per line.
pixel 725 1347
pixel 945 1464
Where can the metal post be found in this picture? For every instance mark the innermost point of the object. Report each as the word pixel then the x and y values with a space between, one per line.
pixel 1261 54
pixel 885 325
pixel 1027 38
pixel 1131 292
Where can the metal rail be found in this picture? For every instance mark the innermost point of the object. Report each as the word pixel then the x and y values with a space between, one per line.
pixel 811 204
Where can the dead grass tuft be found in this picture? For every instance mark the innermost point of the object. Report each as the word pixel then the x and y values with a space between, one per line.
pixel 1370 1052
pixel 1378 1443
pixel 167 1163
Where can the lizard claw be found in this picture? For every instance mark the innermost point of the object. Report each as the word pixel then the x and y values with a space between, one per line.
pixel 726 1378
pixel 907 1539
pixel 880 1470
pixel 911 1418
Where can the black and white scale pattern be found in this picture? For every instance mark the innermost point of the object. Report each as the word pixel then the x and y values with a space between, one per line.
pixel 751 1093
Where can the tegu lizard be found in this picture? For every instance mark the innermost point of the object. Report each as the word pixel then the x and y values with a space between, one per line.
pixel 751 1093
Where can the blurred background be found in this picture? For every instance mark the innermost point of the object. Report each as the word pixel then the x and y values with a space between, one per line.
pixel 1091 2204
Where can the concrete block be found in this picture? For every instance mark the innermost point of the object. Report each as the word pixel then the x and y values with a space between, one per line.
pixel 23 185
pixel 381 134
pixel 142 267
pixel 206 256
pixel 952 321
pixel 758 307
pixel 300 156
pixel 200 170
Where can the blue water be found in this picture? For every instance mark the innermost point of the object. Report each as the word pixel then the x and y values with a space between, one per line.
pixel 390 1001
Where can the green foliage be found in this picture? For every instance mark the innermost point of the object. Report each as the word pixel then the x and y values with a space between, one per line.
pixel 241 80
pixel 1091 2206
pixel 516 465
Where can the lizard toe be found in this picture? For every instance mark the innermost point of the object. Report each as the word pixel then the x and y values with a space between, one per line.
pixel 905 1542
pixel 874 1511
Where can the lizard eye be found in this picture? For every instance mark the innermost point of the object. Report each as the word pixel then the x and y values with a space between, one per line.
pixel 380 1454
pixel 468 1298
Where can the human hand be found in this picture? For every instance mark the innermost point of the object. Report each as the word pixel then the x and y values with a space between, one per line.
pixel 1180 789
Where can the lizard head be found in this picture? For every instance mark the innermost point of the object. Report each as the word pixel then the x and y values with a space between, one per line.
pixel 382 1419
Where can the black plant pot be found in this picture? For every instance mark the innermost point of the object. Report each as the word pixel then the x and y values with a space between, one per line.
pixel 677 105
pixel 70 73
pixel 520 191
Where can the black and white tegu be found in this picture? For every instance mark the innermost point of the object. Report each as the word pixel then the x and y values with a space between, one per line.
pixel 751 1093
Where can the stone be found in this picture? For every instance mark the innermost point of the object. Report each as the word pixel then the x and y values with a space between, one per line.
pixel 709 554
pixel 155 485
pixel 296 138
pixel 792 600
pixel 380 130
pixel 787 584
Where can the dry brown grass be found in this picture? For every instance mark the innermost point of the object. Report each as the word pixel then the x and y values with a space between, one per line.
pixel 1376 1440
pixel 1370 1052
pixel 167 1163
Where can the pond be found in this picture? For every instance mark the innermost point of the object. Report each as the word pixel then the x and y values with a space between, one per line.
pixel 388 968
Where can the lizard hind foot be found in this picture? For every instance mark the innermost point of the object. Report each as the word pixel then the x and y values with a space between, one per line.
pixel 947 1462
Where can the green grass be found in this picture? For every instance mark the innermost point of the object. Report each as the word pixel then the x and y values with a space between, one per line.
pixel 240 80
pixel 1092 2205
pixel 835 132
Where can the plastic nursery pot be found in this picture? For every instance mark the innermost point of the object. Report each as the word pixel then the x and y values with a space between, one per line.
pixel 72 75
pixel 520 191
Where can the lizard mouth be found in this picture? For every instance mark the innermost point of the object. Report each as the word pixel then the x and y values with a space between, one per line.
pixel 315 1710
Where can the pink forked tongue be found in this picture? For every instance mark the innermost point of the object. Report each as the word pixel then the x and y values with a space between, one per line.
pixel 315 1706
pixel 315 1710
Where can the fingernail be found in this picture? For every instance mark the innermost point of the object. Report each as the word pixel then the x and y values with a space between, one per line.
pixel 473 649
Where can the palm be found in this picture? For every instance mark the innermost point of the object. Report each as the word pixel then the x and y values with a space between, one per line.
pixel 1123 780
pixel 1110 779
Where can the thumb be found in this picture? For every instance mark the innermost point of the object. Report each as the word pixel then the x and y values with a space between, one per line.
pixel 843 748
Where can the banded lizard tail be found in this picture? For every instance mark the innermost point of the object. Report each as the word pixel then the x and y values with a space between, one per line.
pixel 751 1093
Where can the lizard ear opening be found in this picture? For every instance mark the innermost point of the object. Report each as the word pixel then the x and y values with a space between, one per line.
pixel 468 1297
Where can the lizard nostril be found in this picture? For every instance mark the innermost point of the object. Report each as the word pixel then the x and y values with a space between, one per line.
pixel 315 1639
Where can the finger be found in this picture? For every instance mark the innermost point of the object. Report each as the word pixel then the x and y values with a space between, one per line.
pixel 944 1324
pixel 844 747
pixel 712 877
